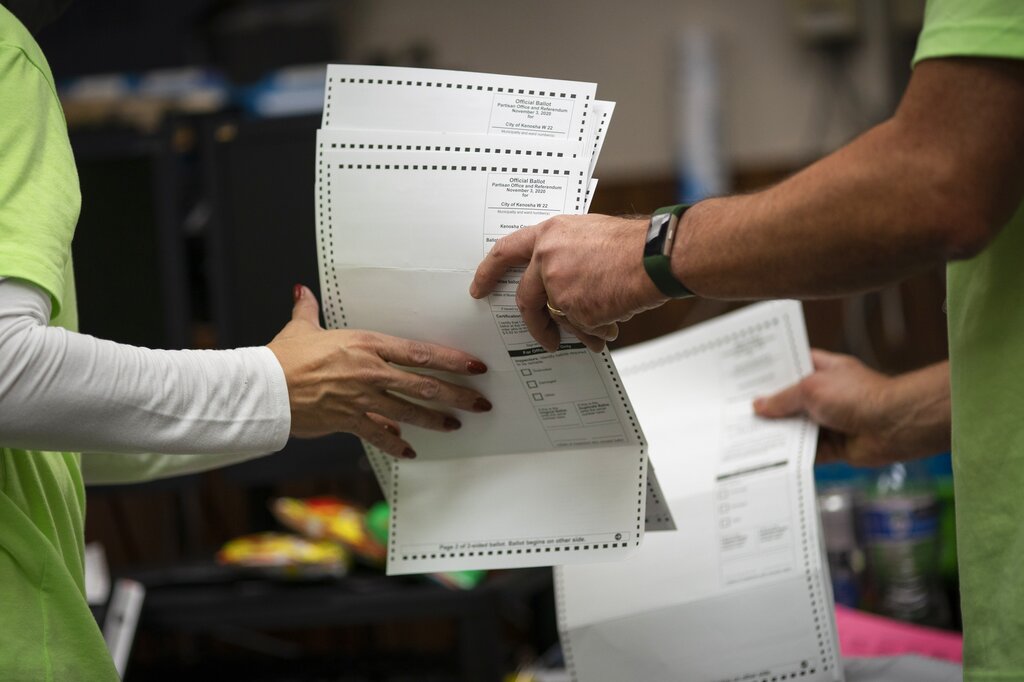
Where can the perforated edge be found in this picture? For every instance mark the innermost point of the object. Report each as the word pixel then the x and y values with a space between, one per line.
pixel 658 518
pixel 620 392
pixel 334 311
pixel 455 167
pixel 559 574
pixel 451 85
pixel 826 647
pixel 602 126
pixel 822 631
pixel 457 149
pixel 563 626
pixel 703 347
pixel 382 466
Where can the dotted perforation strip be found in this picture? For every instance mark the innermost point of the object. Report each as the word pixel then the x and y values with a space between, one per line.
pixel 509 552
pixel 455 86
pixel 583 121
pixel 640 493
pixel 805 670
pixel 703 347
pixel 452 167
pixel 381 467
pixel 580 189
pixel 393 499
pixel 822 629
pixel 563 626
pixel 600 131
pixel 334 311
pixel 654 492
pixel 438 148
pixel 659 518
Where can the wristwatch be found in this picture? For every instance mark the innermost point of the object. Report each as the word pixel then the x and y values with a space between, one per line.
pixel 658 250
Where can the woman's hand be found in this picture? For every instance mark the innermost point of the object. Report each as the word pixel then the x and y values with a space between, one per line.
pixel 345 380
pixel 868 418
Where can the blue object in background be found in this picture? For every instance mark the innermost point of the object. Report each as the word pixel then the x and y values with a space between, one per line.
pixel 834 473
pixel 700 156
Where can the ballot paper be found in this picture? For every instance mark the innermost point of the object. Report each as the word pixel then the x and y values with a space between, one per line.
pixel 741 590
pixel 419 173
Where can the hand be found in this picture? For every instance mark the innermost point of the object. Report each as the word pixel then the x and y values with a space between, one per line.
pixel 341 380
pixel 867 418
pixel 589 267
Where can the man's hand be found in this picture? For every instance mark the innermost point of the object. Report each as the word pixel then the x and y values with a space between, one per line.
pixel 867 418
pixel 344 380
pixel 588 267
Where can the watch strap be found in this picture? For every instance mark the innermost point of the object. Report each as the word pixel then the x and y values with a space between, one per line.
pixel 658 248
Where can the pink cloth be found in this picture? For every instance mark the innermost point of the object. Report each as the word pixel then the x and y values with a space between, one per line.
pixel 865 634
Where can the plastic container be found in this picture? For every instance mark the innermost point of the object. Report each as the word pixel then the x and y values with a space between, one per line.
pixel 899 514
pixel 836 504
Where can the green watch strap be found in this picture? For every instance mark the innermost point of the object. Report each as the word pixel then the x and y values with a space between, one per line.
pixel 658 250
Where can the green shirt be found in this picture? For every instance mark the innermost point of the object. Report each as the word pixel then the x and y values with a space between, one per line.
pixel 986 349
pixel 46 629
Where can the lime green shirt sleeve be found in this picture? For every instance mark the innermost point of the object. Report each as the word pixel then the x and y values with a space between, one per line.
pixel 39 193
pixel 972 28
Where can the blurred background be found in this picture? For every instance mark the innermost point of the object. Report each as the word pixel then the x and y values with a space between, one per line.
pixel 193 125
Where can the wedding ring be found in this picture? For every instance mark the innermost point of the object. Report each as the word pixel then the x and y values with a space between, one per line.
pixel 554 311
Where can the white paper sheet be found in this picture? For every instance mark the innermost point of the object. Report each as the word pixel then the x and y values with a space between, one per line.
pixel 741 590
pixel 428 100
pixel 418 173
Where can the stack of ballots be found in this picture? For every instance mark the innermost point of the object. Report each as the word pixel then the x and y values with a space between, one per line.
pixel 419 172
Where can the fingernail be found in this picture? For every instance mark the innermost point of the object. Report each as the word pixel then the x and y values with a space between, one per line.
pixel 758 403
pixel 476 367
pixel 409 453
pixel 297 292
pixel 451 423
pixel 482 405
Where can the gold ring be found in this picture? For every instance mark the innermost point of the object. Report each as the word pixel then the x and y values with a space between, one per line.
pixel 554 311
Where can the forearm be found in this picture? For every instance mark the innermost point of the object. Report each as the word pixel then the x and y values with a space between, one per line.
pixel 845 224
pixel 917 405
pixel 109 469
pixel 65 391
pixel 934 183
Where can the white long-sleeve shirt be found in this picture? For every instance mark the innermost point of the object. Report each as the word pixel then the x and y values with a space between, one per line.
pixel 153 413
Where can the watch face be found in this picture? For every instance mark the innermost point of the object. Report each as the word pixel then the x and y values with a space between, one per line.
pixel 656 234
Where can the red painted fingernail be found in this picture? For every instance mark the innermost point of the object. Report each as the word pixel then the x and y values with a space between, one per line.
pixel 482 405
pixel 476 367
pixel 409 453
pixel 451 423
pixel 297 292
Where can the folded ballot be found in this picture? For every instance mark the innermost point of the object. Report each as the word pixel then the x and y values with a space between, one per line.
pixel 419 173
pixel 741 590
